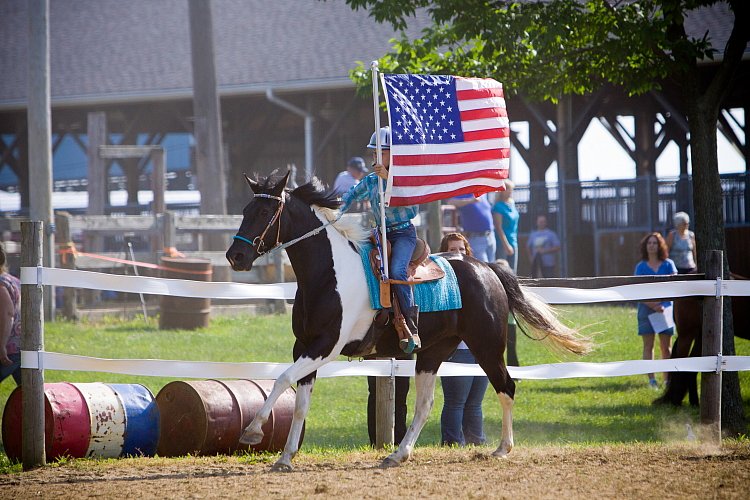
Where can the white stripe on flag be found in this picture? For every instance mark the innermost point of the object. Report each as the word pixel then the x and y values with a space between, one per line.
pixel 459 147
pixel 487 102
pixel 484 124
pixel 452 168
pixel 477 83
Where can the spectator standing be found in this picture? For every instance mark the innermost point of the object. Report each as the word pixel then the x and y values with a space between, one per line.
pixel 655 317
pixel 461 421
pixel 355 171
pixel 681 244
pixel 543 247
pixel 10 322
pixel 476 220
pixel 505 218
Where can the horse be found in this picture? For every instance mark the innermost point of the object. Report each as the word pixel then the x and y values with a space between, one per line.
pixel 332 314
pixel 688 319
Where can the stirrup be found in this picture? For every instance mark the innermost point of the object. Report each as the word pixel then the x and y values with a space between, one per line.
pixel 410 344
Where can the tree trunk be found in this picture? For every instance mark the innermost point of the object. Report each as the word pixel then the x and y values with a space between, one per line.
pixel 709 229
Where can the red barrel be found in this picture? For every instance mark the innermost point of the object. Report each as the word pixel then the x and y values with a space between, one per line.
pixel 208 417
pixel 185 312
pixel 87 420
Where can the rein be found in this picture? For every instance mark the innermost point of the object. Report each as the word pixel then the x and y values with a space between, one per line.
pixel 279 246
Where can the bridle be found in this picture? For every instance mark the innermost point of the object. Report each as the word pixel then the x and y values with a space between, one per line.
pixel 258 242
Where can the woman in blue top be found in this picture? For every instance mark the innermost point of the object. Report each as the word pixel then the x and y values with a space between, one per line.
pixel 654 262
pixel 399 231
pixel 505 217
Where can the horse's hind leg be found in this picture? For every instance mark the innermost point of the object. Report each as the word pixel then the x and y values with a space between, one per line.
pixel 489 354
pixel 301 407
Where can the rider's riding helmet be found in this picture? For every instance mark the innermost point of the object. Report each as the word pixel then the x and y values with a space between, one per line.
pixel 385 138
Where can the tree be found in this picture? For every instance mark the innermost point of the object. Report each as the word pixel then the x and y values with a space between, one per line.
pixel 549 49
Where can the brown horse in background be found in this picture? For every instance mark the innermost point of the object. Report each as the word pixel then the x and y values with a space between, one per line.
pixel 688 318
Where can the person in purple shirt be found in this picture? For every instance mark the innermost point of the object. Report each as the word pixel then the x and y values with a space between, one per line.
pixel 543 247
pixel 478 227
pixel 10 322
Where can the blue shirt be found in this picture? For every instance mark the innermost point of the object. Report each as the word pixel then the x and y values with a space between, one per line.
pixel 367 189
pixel 476 217
pixel 510 220
pixel 667 267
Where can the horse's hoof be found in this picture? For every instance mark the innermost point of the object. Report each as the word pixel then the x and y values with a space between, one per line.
pixel 282 467
pixel 388 462
pixel 502 451
pixel 251 438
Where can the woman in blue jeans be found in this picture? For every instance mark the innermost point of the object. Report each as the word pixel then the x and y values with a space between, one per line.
pixel 461 421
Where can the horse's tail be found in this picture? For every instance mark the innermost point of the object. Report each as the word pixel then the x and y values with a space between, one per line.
pixel 538 315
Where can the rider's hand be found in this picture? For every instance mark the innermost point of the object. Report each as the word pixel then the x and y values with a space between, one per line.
pixel 381 171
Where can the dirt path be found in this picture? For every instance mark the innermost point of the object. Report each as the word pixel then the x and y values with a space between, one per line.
pixel 632 471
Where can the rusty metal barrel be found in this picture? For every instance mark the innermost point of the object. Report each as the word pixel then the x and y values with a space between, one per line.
pixel 88 420
pixel 185 312
pixel 208 417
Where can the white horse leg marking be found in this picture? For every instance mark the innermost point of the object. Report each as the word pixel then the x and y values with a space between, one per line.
pixel 425 385
pixel 301 407
pixel 302 367
pixel 506 443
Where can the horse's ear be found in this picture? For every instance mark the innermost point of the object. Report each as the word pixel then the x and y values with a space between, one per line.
pixel 278 189
pixel 254 186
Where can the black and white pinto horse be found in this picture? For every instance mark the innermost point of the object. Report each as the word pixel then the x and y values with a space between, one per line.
pixel 332 315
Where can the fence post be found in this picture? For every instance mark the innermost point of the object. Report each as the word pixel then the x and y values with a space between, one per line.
pixel 67 261
pixel 710 402
pixel 32 339
pixel 385 409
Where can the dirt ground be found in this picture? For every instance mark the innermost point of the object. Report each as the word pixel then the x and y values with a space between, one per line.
pixel 630 471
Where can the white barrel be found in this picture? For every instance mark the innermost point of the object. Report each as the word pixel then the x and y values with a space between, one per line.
pixel 107 416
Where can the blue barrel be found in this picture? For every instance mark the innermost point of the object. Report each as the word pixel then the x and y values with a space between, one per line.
pixel 141 419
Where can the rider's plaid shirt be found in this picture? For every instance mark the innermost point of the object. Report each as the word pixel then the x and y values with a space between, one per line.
pixel 367 189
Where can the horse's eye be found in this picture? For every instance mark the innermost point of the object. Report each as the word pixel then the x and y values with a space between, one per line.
pixel 264 212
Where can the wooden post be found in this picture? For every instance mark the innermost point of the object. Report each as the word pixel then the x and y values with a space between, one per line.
pixel 385 409
pixel 97 187
pixel 97 174
pixel 209 159
pixel 279 306
pixel 40 133
pixel 67 261
pixel 169 233
pixel 32 339
pixel 710 402
pixel 158 178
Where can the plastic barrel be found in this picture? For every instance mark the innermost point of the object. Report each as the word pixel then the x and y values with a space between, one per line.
pixel 87 420
pixel 208 417
pixel 141 419
pixel 185 312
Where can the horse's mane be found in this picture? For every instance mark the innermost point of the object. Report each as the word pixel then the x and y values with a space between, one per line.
pixel 326 202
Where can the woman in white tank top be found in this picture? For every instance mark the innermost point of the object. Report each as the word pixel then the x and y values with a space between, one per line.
pixel 681 244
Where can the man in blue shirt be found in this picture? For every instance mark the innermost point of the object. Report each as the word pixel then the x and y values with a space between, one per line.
pixel 478 227
pixel 399 231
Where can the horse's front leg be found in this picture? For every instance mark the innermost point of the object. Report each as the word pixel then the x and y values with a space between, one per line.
pixel 301 407
pixel 301 368
pixel 425 382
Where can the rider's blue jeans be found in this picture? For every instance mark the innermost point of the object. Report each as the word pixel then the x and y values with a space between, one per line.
pixel 402 242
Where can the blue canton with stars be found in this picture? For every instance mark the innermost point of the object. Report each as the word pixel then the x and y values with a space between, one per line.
pixel 423 109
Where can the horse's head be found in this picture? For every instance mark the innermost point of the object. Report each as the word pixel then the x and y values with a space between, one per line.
pixel 261 224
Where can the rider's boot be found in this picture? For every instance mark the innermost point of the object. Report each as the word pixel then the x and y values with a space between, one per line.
pixel 412 342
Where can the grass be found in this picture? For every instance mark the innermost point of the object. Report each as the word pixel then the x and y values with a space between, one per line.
pixel 581 411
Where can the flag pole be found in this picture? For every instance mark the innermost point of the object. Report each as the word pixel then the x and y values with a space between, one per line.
pixel 379 157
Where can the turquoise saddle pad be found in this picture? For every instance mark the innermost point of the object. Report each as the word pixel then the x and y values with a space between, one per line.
pixel 432 296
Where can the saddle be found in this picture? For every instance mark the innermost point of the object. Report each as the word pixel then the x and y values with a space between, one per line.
pixel 421 269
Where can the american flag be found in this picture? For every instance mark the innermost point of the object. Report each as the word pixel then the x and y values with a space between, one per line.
pixel 449 136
